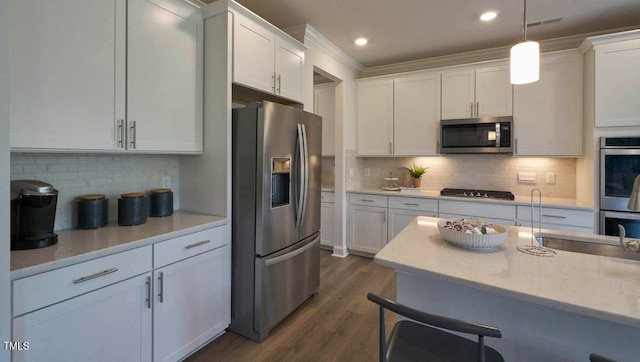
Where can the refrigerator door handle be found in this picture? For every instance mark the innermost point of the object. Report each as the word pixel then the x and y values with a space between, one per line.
pixel 305 160
pixel 299 201
pixel 291 254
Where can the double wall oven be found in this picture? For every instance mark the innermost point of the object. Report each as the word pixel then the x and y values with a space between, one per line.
pixel 619 167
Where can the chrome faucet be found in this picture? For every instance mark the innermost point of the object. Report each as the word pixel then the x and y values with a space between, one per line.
pixel 633 205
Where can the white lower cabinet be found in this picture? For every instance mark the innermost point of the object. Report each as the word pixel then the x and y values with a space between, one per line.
pixel 327 234
pixel 490 212
pixel 403 210
pixel 109 324
pixel 367 223
pixel 190 303
pixel 116 308
pixel 552 218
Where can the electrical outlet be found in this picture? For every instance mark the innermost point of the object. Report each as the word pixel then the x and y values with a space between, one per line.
pixel 351 174
pixel 166 182
pixel 551 178
pixel 367 172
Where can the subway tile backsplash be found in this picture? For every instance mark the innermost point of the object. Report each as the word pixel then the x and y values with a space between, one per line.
pixel 80 174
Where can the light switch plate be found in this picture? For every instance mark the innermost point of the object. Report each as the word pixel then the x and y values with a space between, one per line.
pixel 367 172
pixel 526 177
pixel 551 178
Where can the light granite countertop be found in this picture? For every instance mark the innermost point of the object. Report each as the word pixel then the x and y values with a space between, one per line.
pixel 519 200
pixel 596 286
pixel 76 246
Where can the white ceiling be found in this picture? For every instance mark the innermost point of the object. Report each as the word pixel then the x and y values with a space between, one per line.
pixel 404 30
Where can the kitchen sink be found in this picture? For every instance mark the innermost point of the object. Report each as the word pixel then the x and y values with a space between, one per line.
pixel 585 247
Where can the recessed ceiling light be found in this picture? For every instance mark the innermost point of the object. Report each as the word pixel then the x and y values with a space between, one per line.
pixel 361 41
pixel 488 16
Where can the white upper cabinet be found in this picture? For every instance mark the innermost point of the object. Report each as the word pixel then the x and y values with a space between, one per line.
pixel 375 117
pixel 164 76
pixel 548 113
pixel 73 62
pixel 324 105
pixel 67 73
pixel 616 64
pixel 399 116
pixel 416 116
pixel 265 60
pixel 478 92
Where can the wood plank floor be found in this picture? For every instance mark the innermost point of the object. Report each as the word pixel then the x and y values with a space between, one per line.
pixel 338 324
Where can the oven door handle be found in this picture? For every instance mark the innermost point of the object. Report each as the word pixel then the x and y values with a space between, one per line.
pixel 622 215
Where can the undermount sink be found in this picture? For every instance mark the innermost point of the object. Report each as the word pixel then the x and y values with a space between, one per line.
pixel 578 246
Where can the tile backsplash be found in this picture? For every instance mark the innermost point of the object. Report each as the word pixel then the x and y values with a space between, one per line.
pixel 488 172
pixel 80 174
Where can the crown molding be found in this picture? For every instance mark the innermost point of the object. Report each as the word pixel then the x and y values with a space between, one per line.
pixel 608 38
pixel 551 45
pixel 306 34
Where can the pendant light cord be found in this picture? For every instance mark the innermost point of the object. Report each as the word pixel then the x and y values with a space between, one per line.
pixel 524 20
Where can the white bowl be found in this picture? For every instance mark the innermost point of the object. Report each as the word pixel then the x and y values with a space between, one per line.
pixel 483 242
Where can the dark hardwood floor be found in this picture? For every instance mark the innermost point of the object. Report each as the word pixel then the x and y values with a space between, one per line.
pixel 338 324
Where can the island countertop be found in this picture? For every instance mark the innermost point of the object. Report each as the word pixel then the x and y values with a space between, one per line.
pixel 595 286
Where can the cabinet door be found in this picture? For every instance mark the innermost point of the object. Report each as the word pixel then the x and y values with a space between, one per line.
pixel 617 83
pixel 416 117
pixel 253 59
pixel 399 219
pixel 326 224
pixel 458 94
pixel 67 73
pixel 289 64
pixel 109 324
pixel 494 92
pixel 548 113
pixel 191 303
pixel 375 117
pixel 368 228
pixel 324 105
pixel 164 75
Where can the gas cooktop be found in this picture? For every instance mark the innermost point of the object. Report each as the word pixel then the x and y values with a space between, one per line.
pixel 486 194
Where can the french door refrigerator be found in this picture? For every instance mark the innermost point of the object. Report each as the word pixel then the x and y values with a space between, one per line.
pixel 275 214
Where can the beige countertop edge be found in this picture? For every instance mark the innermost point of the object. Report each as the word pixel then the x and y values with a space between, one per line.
pixel 76 246
pixel 590 285
pixel 519 200
pixel 327 188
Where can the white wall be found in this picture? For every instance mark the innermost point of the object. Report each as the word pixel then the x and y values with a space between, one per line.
pixel 5 295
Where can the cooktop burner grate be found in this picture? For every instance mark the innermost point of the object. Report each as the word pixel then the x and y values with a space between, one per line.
pixel 470 193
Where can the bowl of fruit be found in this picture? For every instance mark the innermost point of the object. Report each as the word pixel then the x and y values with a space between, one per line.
pixel 472 234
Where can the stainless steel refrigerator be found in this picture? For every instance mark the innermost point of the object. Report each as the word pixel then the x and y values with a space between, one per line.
pixel 275 214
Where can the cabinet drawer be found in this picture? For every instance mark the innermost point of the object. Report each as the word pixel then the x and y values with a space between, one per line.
pixel 326 196
pixel 183 247
pixel 478 209
pixel 44 289
pixel 368 200
pixel 550 215
pixel 413 203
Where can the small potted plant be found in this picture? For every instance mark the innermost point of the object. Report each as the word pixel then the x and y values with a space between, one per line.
pixel 416 173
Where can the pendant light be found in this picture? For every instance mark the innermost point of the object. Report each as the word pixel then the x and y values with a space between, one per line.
pixel 525 57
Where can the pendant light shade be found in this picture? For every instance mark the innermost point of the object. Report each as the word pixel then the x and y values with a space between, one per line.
pixel 525 62
pixel 525 57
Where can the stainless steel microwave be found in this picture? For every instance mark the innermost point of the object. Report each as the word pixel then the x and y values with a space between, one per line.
pixel 477 135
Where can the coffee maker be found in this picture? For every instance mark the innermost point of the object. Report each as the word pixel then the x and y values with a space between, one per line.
pixel 33 212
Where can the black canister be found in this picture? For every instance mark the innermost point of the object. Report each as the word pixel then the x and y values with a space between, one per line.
pixel 132 209
pixel 93 211
pixel 161 202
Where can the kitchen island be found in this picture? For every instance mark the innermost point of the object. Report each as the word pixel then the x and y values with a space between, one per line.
pixel 559 308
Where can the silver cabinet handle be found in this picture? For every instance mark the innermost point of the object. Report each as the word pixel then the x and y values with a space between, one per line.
pixel 197 244
pixel 273 80
pixel 367 200
pixel 390 147
pixel 121 133
pixel 555 216
pixel 148 300
pixel 161 287
pixel 96 275
pixel 279 83
pixel 133 135
pixel 516 146
pixel 471 109
pixel 411 204
pixel 477 109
